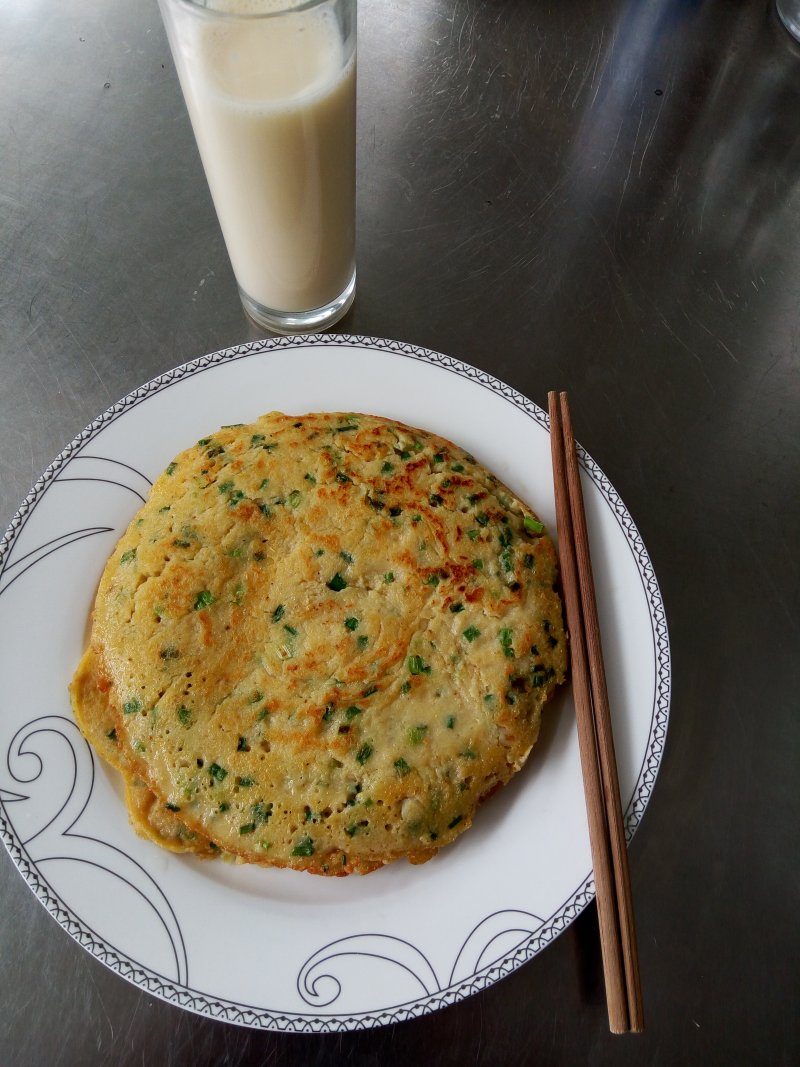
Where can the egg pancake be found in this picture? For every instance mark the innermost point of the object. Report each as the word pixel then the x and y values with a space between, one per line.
pixel 326 638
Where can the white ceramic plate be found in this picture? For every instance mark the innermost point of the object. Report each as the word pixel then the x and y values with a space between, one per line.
pixel 279 949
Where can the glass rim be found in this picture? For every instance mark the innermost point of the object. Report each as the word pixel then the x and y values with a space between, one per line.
pixel 288 7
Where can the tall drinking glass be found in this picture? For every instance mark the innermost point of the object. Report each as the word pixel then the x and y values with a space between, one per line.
pixel 270 86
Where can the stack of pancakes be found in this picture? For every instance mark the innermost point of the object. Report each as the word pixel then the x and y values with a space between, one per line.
pixel 320 644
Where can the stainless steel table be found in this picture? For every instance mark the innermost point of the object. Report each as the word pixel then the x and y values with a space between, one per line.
pixel 601 197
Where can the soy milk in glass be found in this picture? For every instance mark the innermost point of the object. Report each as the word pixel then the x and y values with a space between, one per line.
pixel 270 86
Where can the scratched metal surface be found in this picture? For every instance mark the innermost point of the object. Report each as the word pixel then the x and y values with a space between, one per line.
pixel 598 196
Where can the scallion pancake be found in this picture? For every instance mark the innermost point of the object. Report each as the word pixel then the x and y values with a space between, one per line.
pixel 326 638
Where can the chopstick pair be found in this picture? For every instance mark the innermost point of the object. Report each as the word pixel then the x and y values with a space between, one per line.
pixel 595 738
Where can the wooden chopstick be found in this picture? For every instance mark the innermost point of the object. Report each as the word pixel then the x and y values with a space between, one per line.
pixel 595 737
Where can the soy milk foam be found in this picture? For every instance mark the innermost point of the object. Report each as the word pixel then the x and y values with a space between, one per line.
pixel 272 105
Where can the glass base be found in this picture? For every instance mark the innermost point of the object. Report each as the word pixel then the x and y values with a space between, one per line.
pixel 300 321
pixel 789 12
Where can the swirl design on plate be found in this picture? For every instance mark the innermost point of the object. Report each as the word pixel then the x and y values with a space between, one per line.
pixel 50 759
pixel 489 941
pixel 321 987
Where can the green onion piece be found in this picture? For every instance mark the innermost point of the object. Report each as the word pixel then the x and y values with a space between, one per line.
pixel 290 630
pixel 112 734
pixel 455 608
pixel 352 711
pixel 243 745
pixel 203 600
pixel 277 615
pixel 388 577
pixel 533 524
pixel 170 652
pixel 451 825
pixel 327 714
pixel 351 623
pixel 129 556
pixel 172 468
pixel 245 781
pixel 505 638
pixel 294 498
pixel 471 633
pixel 247 828
pixel 405 687
pixel 337 583
pixel 387 468
pixel 450 722
pixel 172 807
pixel 184 715
pixel 362 642
pixel 401 767
pixel 132 706
pixel 417 665
pixel 364 753
pixel 416 735
pixel 310 478
pixel 217 772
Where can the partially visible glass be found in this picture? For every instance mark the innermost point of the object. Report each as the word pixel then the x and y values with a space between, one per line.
pixel 789 11
pixel 270 86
